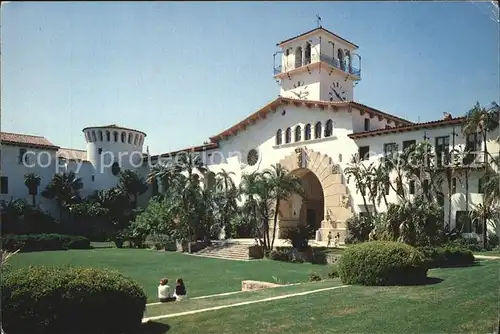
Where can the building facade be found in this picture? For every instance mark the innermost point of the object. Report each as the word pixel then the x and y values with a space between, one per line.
pixel 313 128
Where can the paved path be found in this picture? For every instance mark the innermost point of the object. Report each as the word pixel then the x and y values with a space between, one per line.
pixel 144 320
pixel 487 257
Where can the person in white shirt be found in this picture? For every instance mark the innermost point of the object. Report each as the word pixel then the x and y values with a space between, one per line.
pixel 164 291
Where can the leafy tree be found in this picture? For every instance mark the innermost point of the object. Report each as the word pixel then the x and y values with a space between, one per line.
pixel 32 182
pixel 355 171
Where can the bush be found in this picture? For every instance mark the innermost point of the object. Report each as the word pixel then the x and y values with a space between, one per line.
pixel 449 256
pixel 466 243
pixel 44 242
pixel 281 254
pixel 493 241
pixel 382 263
pixel 358 229
pixel 334 273
pixel 70 300
pixel 313 277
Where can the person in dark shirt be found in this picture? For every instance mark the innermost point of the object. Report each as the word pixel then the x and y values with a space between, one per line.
pixel 180 290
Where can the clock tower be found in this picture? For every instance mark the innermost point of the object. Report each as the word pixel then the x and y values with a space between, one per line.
pixel 317 65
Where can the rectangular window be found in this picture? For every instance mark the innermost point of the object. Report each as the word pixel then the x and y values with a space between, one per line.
pixel 364 152
pixel 408 143
pixel 390 149
pixel 367 124
pixel 412 187
pixel 473 147
pixel 480 184
pixel 426 186
pixel 22 156
pixel 463 222
pixel 454 185
pixel 4 185
pixel 442 150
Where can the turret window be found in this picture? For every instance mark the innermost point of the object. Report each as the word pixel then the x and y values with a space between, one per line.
pixel 298 57
pixel 101 136
pixel 115 136
pixel 136 137
pixel 123 137
pixel 130 138
pixel 307 54
pixel 329 128
pixel 108 135
pixel 94 138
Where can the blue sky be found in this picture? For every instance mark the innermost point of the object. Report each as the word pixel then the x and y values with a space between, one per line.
pixel 182 72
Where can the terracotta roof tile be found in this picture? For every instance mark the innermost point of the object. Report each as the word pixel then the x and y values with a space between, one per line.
pixel 113 126
pixel 200 148
pixel 72 154
pixel 26 140
pixel 406 128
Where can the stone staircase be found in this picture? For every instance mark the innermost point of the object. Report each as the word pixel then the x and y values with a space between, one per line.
pixel 225 250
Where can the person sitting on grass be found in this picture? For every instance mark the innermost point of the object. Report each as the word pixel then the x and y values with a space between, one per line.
pixel 180 290
pixel 164 291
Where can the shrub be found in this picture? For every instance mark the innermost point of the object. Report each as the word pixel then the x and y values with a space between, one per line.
pixel 334 272
pixel 70 300
pixel 449 256
pixel 313 277
pixel 280 254
pixel 43 242
pixel 493 241
pixel 382 263
pixel 298 237
pixel 468 243
pixel 358 229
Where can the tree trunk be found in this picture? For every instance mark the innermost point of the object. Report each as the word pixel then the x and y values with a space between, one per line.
pixel 33 199
pixel 485 223
pixel 467 193
pixel 366 205
pixel 275 221
pixel 385 201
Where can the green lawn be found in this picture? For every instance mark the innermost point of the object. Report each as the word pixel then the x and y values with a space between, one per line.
pixel 465 301
pixel 203 276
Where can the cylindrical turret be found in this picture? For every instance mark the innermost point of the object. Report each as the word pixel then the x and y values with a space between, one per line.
pixel 110 149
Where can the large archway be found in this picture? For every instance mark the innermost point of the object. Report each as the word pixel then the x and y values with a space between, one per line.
pixel 305 211
pixel 316 171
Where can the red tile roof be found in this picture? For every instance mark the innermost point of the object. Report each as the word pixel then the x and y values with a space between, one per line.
pixel 72 154
pixel 272 106
pixel 406 128
pixel 314 30
pixel 113 126
pixel 8 138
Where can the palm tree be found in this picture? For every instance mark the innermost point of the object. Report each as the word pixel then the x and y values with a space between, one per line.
pixel 355 171
pixel 250 186
pixel 32 182
pixel 382 180
pixel 481 120
pixel 132 185
pixel 64 188
pixel 282 184
pixel 228 192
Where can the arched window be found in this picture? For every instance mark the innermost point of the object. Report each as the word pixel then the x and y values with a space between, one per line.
pixel 101 136
pixel 307 134
pixel 108 135
pixel 328 128
pixel 140 140
pixel 279 138
pixel 115 136
pixel 298 57
pixel 136 139
pixel 123 137
pixel 94 138
pixel 348 61
pixel 288 135
pixel 298 133
pixel 130 138
pixel 87 136
pixel 317 130
pixel 307 54
pixel 340 56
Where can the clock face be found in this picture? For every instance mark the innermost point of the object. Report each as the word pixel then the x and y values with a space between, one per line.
pixel 302 94
pixel 337 92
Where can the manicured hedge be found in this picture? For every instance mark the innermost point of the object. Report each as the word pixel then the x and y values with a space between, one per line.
pixel 70 300
pixel 291 254
pixel 447 256
pixel 43 242
pixel 382 263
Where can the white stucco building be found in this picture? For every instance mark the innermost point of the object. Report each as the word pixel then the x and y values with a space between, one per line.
pixel 313 128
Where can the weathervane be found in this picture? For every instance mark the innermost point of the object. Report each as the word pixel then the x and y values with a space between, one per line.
pixel 318 20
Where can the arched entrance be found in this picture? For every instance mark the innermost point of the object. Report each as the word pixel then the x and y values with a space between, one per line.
pixel 305 211
pixel 327 202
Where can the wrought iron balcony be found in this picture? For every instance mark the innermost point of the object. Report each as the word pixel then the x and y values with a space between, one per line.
pixel 344 66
